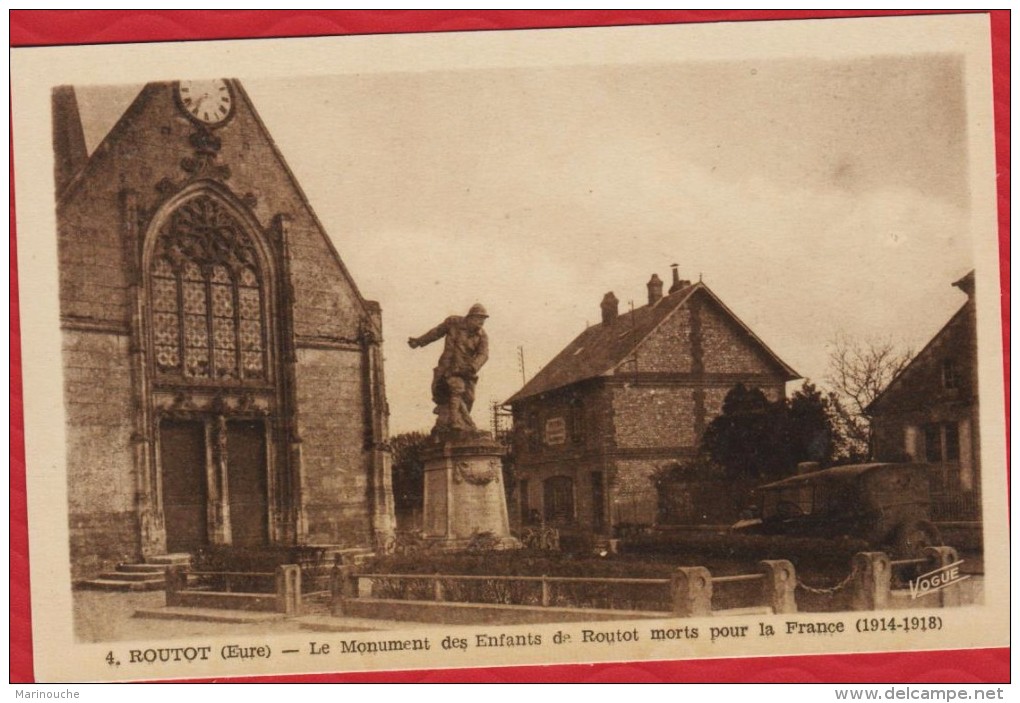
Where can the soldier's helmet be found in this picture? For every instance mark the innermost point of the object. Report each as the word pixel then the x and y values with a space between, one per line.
pixel 478 309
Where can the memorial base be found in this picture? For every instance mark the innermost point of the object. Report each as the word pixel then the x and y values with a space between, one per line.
pixel 465 503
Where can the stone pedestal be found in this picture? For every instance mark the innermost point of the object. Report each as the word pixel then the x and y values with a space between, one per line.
pixel 464 494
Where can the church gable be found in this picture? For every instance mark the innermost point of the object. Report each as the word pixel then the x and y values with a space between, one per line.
pixel 218 357
pixel 155 150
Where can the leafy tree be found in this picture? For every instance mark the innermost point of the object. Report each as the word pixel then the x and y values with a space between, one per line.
pixel 747 438
pixel 408 470
pixel 762 439
pixel 812 428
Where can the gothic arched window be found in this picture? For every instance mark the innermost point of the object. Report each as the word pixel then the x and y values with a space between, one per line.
pixel 208 319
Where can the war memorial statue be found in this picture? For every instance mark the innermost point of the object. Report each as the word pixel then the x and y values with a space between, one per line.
pixel 456 375
pixel 465 503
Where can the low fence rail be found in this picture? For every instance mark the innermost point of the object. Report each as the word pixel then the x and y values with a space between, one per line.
pixel 872 584
pixel 216 589
pixel 688 592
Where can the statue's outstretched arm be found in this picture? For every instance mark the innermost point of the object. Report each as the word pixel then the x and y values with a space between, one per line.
pixel 432 335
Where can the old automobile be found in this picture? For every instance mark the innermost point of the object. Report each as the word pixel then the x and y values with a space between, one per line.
pixel 886 505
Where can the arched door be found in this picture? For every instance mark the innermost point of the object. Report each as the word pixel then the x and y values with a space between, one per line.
pixel 214 390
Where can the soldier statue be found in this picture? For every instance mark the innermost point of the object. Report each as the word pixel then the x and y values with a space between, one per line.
pixel 455 377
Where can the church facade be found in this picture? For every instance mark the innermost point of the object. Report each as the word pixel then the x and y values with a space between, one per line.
pixel 223 374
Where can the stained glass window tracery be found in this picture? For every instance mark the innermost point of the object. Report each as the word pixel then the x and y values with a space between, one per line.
pixel 208 320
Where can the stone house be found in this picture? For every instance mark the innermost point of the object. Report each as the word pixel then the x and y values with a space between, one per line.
pixel 627 397
pixel 929 413
pixel 223 375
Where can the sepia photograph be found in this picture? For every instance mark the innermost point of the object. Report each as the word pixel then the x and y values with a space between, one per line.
pixel 512 348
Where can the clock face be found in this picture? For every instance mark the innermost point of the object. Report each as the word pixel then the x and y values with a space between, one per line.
pixel 209 102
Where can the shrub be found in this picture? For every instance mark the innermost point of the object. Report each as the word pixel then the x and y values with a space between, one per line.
pixel 265 559
pixel 524 563
pixel 724 552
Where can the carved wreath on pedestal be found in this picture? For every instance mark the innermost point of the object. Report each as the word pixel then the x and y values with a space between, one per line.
pixel 478 474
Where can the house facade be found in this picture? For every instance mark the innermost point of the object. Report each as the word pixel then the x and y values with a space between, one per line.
pixel 929 413
pixel 223 375
pixel 630 396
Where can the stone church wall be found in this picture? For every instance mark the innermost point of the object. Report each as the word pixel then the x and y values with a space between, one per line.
pixel 101 489
pixel 146 154
pixel 334 458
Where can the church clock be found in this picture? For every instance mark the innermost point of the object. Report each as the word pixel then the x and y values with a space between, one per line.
pixel 208 102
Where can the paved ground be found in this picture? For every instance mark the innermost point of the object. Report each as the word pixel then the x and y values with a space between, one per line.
pixel 102 616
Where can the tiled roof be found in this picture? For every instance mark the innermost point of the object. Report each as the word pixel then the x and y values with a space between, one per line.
pixel 601 348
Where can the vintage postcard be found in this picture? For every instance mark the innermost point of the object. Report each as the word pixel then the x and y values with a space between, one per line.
pixel 430 351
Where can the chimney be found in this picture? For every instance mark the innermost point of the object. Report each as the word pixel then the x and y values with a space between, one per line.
pixel 610 308
pixel 677 283
pixel 654 289
pixel 676 279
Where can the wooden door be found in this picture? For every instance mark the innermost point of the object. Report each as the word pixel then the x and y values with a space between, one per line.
pixel 183 461
pixel 246 475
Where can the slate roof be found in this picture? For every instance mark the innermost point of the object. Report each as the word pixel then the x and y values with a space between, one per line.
pixel 601 348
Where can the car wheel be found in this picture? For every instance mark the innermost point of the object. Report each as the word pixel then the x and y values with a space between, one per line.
pixel 913 537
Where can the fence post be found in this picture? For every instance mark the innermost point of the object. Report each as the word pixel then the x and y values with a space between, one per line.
pixel 872 581
pixel 692 591
pixel 941 557
pixel 176 581
pixel 288 589
pixel 546 599
pixel 437 588
pixel 343 585
pixel 779 584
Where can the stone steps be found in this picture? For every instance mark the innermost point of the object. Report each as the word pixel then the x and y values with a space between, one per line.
pixel 134 576
pixel 151 575
pixel 141 568
pixel 121 585
pixel 148 576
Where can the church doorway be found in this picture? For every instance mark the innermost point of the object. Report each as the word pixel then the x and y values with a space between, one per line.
pixel 246 479
pixel 185 493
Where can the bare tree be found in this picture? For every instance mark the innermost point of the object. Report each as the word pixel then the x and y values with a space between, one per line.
pixel 859 370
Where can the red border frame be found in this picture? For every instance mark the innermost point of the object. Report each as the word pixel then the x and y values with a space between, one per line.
pixel 38 28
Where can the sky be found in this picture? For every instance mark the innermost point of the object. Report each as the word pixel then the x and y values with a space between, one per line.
pixel 815 197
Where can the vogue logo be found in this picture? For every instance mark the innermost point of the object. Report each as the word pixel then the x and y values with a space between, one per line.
pixel 937 580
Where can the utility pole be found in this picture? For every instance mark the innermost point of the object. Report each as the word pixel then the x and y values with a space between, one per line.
pixel 520 363
pixel 633 333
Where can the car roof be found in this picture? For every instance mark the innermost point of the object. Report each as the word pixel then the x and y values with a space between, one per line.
pixel 836 474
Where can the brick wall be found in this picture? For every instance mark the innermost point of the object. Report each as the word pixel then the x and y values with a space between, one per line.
pixel 593 405
pixel 650 416
pixel 669 347
pixel 727 349
pixel 634 498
